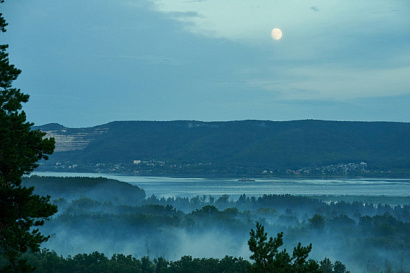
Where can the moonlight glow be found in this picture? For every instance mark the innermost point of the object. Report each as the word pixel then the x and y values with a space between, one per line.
pixel 276 33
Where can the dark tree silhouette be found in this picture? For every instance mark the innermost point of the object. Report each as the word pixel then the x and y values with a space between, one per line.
pixel 267 257
pixel 21 148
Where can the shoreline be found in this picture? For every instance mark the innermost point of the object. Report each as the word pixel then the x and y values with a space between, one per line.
pixel 226 176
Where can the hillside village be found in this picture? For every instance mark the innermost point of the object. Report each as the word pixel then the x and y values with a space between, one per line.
pixel 162 168
pixel 306 148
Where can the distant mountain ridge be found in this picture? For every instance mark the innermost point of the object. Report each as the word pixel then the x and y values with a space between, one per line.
pixel 251 145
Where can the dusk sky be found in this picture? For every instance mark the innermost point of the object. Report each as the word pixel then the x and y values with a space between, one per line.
pixel 89 62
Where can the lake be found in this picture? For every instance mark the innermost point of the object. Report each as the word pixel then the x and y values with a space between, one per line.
pixel 190 187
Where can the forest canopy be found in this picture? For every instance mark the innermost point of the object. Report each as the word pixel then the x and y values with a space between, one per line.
pixel 364 236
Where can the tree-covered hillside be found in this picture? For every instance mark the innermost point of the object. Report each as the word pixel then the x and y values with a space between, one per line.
pixel 69 188
pixel 233 148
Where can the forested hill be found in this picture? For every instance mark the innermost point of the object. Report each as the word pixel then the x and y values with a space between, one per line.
pixel 308 147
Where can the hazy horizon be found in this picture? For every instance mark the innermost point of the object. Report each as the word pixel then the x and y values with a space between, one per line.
pixel 211 121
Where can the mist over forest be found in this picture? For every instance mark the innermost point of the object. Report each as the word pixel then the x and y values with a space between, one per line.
pixel 111 217
pixel 173 63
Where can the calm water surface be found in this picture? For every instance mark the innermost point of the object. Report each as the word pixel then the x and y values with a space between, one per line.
pixel 189 187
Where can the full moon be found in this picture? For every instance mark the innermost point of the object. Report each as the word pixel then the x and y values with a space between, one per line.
pixel 276 33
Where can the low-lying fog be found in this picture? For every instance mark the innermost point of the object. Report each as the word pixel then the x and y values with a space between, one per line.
pixel 365 237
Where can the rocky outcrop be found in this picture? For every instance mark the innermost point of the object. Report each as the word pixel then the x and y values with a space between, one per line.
pixel 71 139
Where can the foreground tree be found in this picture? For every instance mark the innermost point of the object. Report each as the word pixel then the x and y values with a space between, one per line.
pixel 267 257
pixel 21 148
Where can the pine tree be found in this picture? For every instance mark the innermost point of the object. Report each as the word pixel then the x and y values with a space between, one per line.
pixel 21 211
pixel 265 253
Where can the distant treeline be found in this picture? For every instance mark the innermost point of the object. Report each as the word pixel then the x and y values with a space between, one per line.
pixel 102 189
pixel 366 237
pixel 50 262
pixel 308 147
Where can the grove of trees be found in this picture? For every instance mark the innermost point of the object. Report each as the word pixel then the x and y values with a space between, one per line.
pixel 366 237
pixel 266 258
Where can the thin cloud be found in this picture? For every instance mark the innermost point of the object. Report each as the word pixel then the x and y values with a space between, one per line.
pixel 315 9
pixel 178 14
